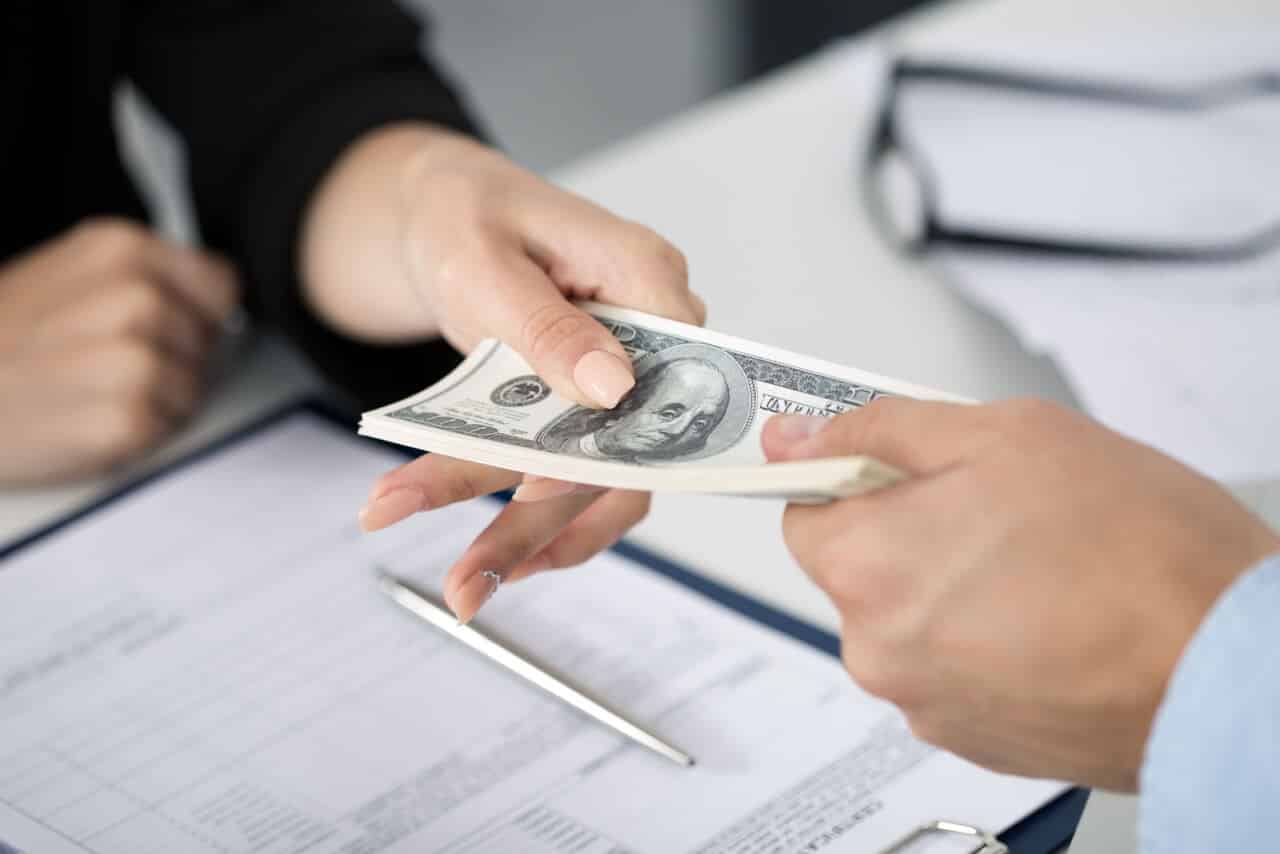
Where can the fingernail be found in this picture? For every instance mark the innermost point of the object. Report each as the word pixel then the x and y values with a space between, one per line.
pixel 603 377
pixel 391 508
pixel 797 428
pixel 467 601
pixel 542 490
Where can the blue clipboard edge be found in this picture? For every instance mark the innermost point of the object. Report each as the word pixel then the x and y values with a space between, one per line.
pixel 1043 832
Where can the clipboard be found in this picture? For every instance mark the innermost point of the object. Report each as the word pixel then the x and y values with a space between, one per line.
pixel 1042 832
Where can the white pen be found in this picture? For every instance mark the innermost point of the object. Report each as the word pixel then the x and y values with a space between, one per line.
pixel 421 605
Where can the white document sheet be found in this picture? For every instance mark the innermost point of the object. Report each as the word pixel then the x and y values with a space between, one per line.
pixel 207 666
pixel 1185 357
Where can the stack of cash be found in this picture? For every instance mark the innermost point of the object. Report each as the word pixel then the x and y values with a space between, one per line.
pixel 692 422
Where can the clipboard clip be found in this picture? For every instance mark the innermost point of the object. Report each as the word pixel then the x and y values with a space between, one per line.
pixel 987 843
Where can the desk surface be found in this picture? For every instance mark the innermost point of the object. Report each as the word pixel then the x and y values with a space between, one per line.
pixel 759 189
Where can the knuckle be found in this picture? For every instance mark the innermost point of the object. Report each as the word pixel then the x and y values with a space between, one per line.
pixel 187 390
pixel 143 304
pixel 869 419
pixel 662 252
pixel 227 284
pixel 113 238
pixel 1026 424
pixel 869 671
pixel 673 259
pixel 563 551
pixel 798 538
pixel 137 364
pixel 551 327
pixel 563 554
pixel 499 547
pixel 851 429
pixel 127 429
pixel 926 728
pixel 1030 411
pixel 458 485
pixel 874 592
pixel 216 280
pixel 797 546
pixel 390 480
pixel 700 311
pixel 834 573
pixel 848 592
pixel 887 591
pixel 880 676
pixel 876 423
pixel 677 260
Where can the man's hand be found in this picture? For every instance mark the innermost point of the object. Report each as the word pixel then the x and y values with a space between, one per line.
pixel 1025 597
pixel 419 231
pixel 104 335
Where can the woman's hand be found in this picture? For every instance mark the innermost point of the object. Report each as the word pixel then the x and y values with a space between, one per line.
pixel 471 246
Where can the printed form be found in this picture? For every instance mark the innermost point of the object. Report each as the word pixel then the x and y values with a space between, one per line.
pixel 207 665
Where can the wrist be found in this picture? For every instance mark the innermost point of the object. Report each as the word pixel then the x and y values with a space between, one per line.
pixel 1180 602
pixel 1217 718
pixel 1194 615
pixel 364 219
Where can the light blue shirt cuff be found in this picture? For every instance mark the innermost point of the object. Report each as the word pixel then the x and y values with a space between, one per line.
pixel 1211 778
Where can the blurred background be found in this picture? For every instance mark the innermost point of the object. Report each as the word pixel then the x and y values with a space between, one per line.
pixel 558 78
pixel 555 79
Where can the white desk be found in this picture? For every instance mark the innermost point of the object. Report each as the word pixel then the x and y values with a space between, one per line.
pixel 758 187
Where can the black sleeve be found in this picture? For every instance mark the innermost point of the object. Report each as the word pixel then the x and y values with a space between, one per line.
pixel 267 94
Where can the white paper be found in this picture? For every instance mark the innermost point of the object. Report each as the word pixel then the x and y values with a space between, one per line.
pixel 207 666
pixel 1184 357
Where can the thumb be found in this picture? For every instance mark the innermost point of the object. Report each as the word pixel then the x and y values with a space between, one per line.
pixel 917 436
pixel 564 345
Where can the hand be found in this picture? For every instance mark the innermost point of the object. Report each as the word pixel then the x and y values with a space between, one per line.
pixel 104 334
pixel 1025 597
pixel 489 250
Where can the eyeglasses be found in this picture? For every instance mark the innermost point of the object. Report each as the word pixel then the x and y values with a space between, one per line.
pixel 893 169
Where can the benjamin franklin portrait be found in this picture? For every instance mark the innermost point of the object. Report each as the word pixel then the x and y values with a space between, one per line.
pixel 689 401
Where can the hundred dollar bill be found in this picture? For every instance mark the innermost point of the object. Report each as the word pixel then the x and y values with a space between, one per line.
pixel 692 422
